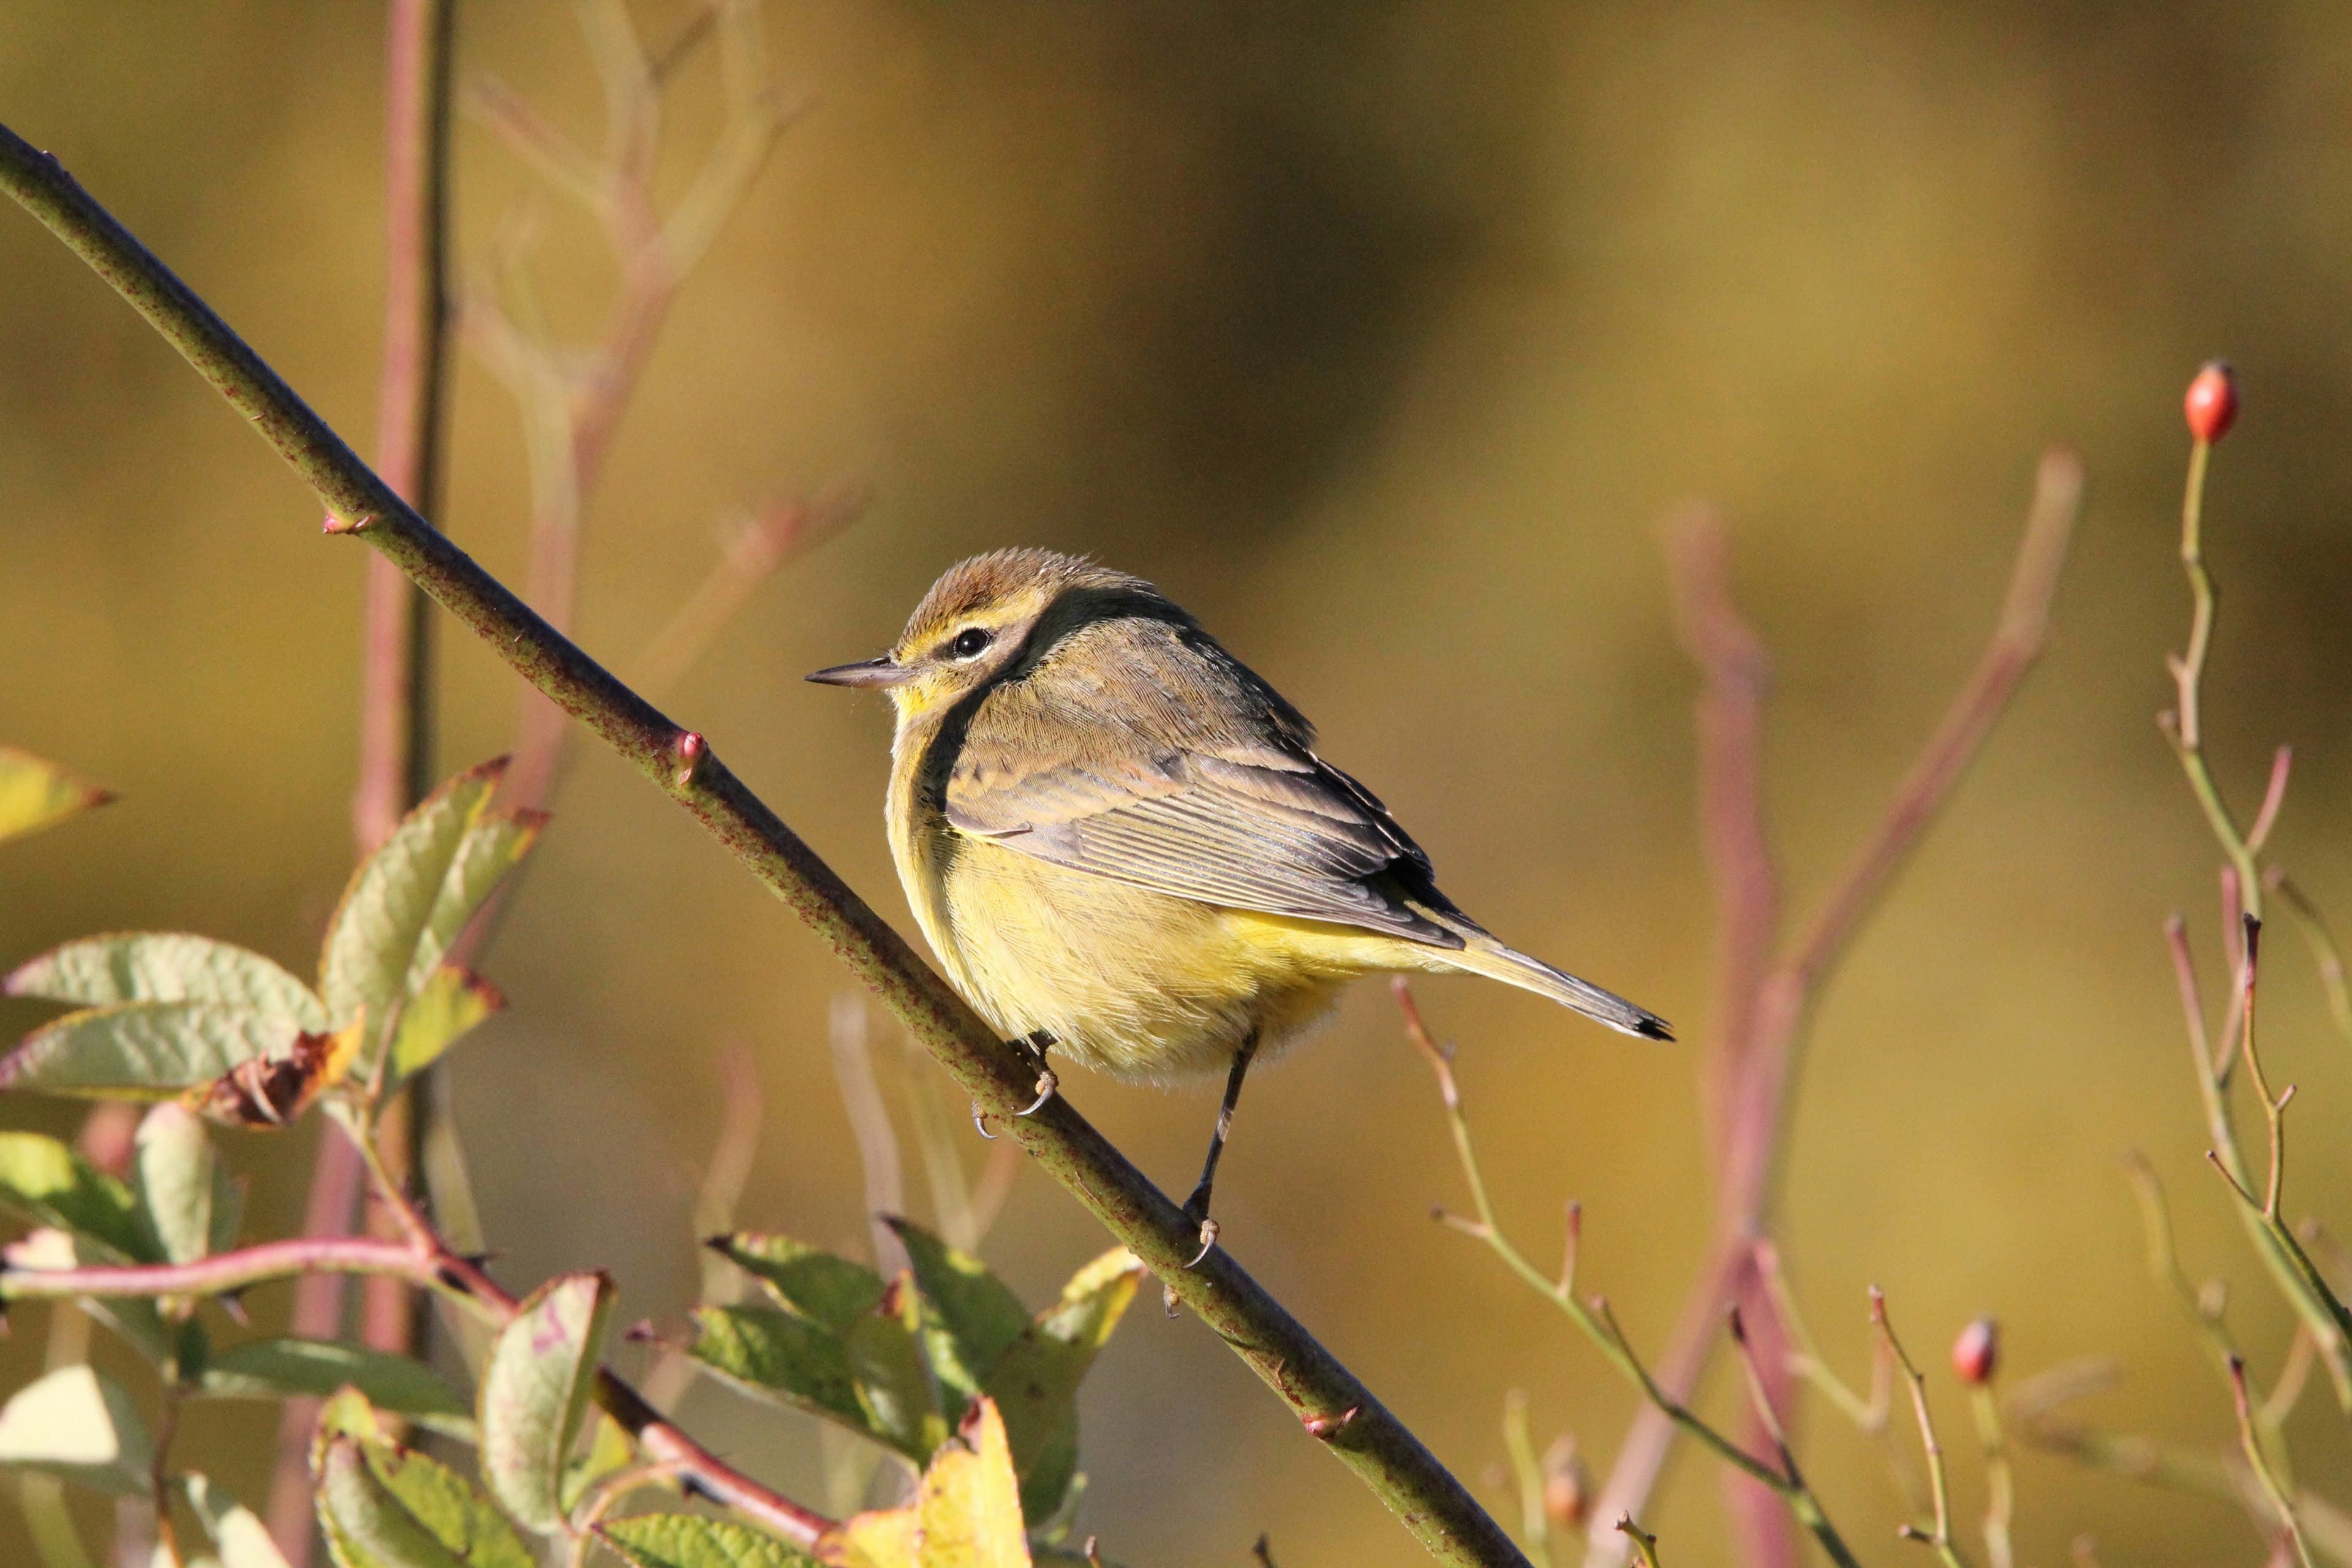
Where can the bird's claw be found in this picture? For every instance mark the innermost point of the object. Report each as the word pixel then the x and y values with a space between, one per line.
pixel 1207 1243
pixel 1047 1086
pixel 980 1123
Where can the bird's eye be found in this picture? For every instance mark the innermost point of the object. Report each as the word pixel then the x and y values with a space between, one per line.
pixel 970 642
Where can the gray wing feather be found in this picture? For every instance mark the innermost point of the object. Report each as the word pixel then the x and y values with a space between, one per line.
pixel 1231 808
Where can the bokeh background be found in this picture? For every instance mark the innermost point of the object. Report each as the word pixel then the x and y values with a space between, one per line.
pixel 1382 336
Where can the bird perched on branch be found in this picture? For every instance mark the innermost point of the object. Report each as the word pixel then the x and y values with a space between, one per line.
pixel 1122 844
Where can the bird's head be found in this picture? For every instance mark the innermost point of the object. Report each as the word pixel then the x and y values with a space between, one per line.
pixel 989 613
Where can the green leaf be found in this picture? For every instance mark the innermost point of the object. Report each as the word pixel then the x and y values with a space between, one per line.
pixel 689 1540
pixel 407 904
pixel 782 1355
pixel 894 1387
pixel 78 1424
pixel 44 1180
pixel 143 1050
pixel 979 1313
pixel 828 1291
pixel 449 1004
pixel 187 1202
pixel 1035 1383
pixel 387 1507
pixel 365 1525
pixel 34 795
pixel 244 1541
pixel 452 1509
pixel 292 1367
pixel 491 848
pixel 166 966
pixel 535 1391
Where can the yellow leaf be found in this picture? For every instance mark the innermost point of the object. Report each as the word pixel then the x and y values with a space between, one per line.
pixel 34 795
pixel 967 1513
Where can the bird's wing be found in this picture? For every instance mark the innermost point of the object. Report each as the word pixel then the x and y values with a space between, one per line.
pixel 1170 766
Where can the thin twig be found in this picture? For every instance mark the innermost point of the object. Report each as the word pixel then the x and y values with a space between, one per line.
pixel 1645 1545
pixel 1869 1415
pixel 2293 1379
pixel 2000 1477
pixel 2184 726
pixel 1527 1475
pixel 715 1201
pixel 751 555
pixel 869 1123
pixel 2274 797
pixel 1760 1398
pixel 1312 1383
pixel 2274 1106
pixel 2280 1500
pixel 1940 1536
pixel 2321 939
pixel 2164 1261
pixel 2320 1309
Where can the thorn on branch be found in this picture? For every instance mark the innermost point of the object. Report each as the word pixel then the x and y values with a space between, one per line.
pixel 1325 1428
pixel 691 749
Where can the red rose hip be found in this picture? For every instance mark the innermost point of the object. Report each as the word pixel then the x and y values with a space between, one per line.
pixel 1977 1353
pixel 2212 402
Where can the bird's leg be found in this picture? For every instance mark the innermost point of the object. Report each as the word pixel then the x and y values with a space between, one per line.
pixel 1197 1205
pixel 1037 1045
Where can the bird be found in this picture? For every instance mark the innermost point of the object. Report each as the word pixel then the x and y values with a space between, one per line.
pixel 1125 848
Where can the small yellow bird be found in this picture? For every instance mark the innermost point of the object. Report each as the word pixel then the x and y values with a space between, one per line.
pixel 1122 844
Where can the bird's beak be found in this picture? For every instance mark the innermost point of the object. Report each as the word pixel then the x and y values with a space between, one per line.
pixel 880 672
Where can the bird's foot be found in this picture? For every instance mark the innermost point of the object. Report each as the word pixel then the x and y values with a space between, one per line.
pixel 1197 1207
pixel 1047 1086
pixel 980 1123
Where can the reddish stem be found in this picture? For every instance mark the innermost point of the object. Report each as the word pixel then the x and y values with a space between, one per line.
pixel 396 700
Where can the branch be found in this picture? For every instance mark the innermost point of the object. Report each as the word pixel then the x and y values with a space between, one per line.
pixel 1758 1052
pixel 1940 1536
pixel 2256 1459
pixel 1311 1382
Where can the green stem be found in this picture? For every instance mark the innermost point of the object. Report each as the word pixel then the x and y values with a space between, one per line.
pixel 2302 1285
pixel 1941 1538
pixel 1358 1429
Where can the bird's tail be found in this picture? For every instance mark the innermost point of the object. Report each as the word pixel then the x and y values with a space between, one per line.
pixel 1481 955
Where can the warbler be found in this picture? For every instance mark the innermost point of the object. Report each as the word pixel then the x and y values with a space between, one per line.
pixel 1123 846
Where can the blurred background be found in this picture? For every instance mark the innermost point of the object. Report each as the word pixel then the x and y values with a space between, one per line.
pixel 1382 337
